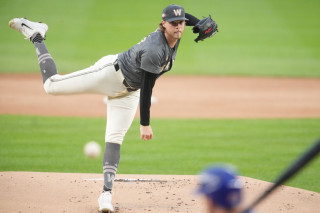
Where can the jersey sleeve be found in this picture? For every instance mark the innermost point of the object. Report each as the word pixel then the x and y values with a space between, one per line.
pixel 151 59
pixel 192 20
pixel 148 81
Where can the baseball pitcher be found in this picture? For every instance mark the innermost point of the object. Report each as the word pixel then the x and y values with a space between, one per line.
pixel 126 78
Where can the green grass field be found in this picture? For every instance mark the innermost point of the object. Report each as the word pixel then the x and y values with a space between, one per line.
pixel 260 148
pixel 256 38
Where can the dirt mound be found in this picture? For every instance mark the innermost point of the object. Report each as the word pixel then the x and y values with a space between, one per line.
pixel 60 192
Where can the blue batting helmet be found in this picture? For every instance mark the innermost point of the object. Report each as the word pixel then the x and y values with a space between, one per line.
pixel 220 184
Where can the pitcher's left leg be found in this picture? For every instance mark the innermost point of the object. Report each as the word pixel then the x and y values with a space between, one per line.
pixel 120 114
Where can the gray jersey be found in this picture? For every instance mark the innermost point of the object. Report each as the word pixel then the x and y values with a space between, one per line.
pixel 153 54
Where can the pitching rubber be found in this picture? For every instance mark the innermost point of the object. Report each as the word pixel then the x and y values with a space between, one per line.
pixel 107 211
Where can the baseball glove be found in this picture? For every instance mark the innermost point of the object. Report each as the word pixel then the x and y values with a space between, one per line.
pixel 206 28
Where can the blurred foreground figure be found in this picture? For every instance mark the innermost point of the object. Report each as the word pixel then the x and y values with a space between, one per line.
pixel 222 189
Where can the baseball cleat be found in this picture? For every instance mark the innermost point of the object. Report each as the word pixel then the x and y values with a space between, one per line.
pixel 105 205
pixel 28 28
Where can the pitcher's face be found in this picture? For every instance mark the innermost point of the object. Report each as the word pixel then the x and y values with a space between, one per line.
pixel 174 29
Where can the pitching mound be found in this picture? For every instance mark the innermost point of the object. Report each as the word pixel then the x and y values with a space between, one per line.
pixel 57 192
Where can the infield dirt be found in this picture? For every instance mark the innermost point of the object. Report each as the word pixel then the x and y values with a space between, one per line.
pixel 178 97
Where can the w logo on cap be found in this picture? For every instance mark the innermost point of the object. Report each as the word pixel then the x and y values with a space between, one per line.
pixel 177 12
pixel 173 13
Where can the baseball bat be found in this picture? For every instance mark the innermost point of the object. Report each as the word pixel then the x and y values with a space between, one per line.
pixel 288 173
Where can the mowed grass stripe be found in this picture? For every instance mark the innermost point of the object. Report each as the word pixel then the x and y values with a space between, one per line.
pixel 260 148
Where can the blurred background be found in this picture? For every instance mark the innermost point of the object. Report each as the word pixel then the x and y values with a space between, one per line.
pixel 256 38
pixel 268 38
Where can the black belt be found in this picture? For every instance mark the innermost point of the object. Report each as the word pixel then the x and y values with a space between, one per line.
pixel 129 88
pixel 116 66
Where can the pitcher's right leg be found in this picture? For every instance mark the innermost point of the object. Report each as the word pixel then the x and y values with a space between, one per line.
pixel 35 32
pixel 47 65
pixel 101 78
